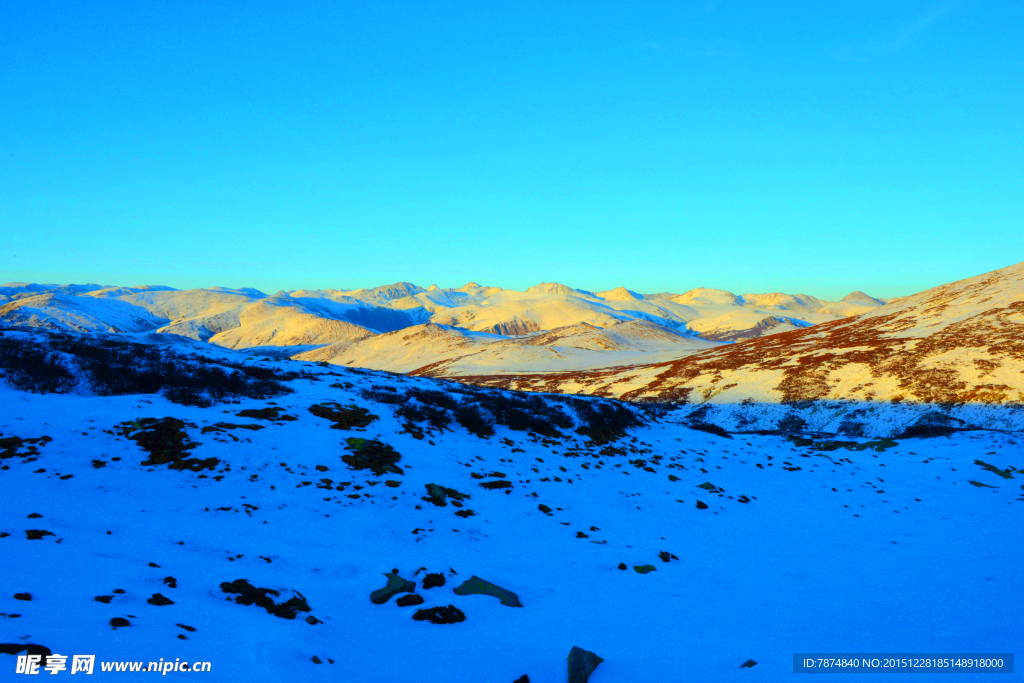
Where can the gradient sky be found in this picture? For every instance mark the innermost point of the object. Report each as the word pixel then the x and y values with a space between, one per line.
pixel 813 146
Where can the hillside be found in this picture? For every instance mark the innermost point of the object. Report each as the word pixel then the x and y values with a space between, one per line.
pixel 961 344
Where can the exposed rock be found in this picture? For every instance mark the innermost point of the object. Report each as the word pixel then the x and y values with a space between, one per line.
pixel 159 600
pixel 701 505
pixel 170 582
pixel 28 649
pixel 27 597
pixel 118 622
pixel 477 586
pixel 396 584
pixel 409 600
pixel 250 595
pixel 433 580
pixel 37 534
pixel 748 664
pixel 644 568
pixel 440 615
pixel 581 664
pixel 667 556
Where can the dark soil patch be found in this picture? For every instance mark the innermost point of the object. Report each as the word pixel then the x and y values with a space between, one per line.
pixel 352 417
pixel 12 446
pixel 266 414
pixel 370 454
pixel 167 443
pixel 225 426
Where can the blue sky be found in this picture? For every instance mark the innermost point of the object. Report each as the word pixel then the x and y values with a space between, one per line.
pixel 813 147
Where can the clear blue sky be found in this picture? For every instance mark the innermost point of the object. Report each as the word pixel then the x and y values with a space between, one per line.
pixel 811 146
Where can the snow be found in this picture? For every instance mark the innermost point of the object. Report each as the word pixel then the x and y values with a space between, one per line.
pixel 904 556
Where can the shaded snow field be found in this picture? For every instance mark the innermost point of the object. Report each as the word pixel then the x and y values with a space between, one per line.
pixel 855 551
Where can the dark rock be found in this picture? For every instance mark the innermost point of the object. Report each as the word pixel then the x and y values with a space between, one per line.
pixel 409 600
pixel 118 622
pixel 250 595
pixel 544 508
pixel 522 679
pixel 644 568
pixel 701 505
pixel 186 627
pixel 37 534
pixel 28 649
pixel 317 660
pixel 105 599
pixel 170 582
pixel 497 484
pixel 581 664
pixel 395 584
pixel 433 580
pixel 440 615
pixel 622 566
pixel 667 556
pixel 477 586
pixel 159 600
pixel 35 515
pixel 748 664
pixel 27 597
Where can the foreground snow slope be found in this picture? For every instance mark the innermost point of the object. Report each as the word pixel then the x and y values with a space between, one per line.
pixel 844 550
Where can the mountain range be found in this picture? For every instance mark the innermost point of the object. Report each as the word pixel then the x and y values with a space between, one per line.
pixel 406 328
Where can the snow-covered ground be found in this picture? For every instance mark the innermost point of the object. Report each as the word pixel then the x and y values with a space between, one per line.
pixel 891 550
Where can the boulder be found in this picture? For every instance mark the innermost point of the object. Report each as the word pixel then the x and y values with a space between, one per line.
pixel 477 586
pixel 581 664
pixel 395 584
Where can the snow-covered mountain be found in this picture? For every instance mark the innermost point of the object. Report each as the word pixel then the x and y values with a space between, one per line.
pixel 548 327
pixel 961 344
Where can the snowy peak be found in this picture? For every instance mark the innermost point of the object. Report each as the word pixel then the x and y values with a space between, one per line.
pixel 620 294
pixel 859 297
pixel 552 288
pixel 703 296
